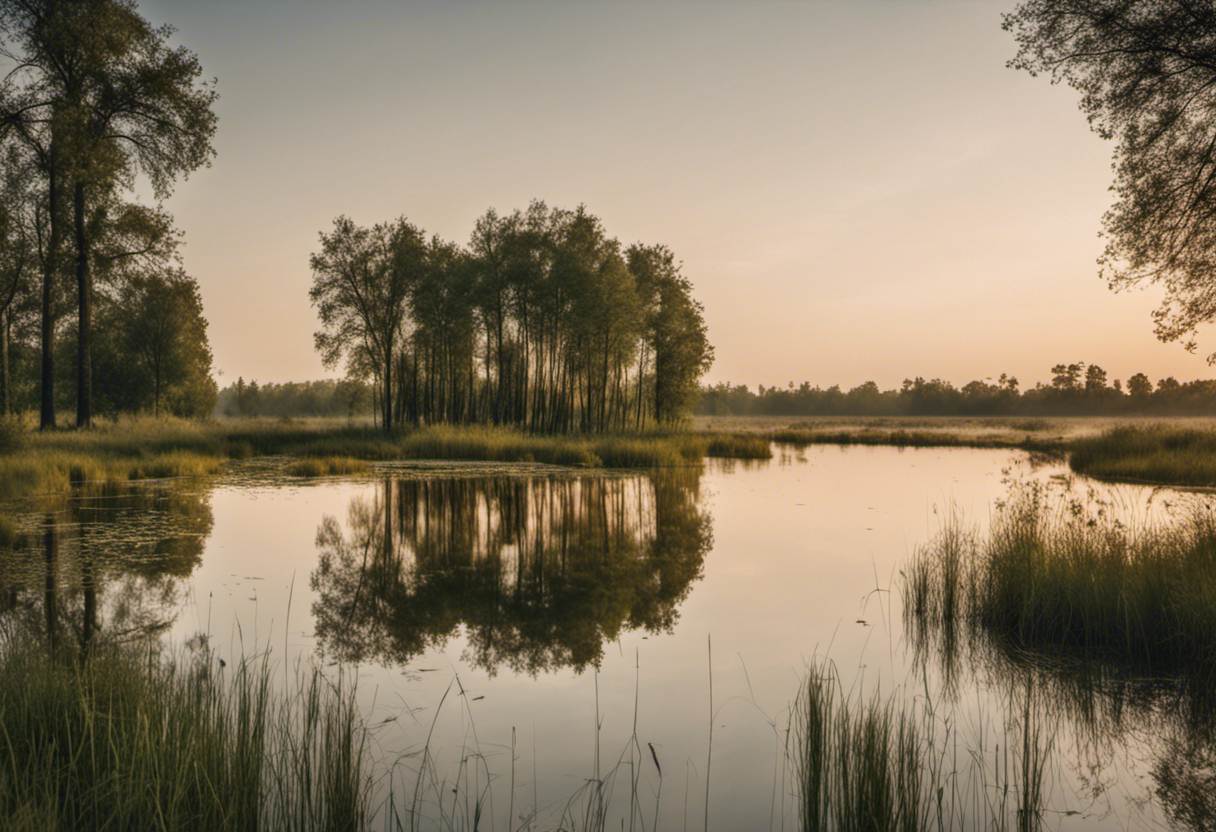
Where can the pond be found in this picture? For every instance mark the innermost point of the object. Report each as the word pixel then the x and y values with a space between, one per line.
pixel 548 644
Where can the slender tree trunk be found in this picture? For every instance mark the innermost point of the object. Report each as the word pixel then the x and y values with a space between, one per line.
pixel 46 418
pixel 388 391
pixel 5 377
pixel 84 330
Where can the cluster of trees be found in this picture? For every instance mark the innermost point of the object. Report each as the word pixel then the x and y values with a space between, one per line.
pixel 1075 389
pixel 346 398
pixel 541 321
pixel 95 101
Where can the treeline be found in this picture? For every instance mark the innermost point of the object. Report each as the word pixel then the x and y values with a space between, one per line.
pixel 1075 389
pixel 346 398
pixel 542 321
pixel 96 313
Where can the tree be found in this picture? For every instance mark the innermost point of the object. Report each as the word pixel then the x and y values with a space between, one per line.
pixel 678 337
pixel 1139 386
pixel 1095 379
pixel 18 255
pixel 157 353
pixel 1146 71
pixel 362 278
pixel 98 96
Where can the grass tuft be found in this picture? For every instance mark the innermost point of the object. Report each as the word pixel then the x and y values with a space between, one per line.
pixel 1054 577
pixel 326 466
pixel 129 741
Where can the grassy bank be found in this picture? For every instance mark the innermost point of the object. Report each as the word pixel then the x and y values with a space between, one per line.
pixel 1178 452
pixel 1050 577
pixel 1160 454
pixel 129 741
pixel 32 462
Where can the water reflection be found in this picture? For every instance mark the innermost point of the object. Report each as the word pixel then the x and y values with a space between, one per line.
pixel 540 571
pixel 102 566
pixel 1104 709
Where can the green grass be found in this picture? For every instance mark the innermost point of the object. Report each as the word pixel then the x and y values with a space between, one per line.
pixel 326 466
pixel 1053 577
pixel 129 741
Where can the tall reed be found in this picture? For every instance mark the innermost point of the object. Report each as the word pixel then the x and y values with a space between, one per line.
pixel 127 740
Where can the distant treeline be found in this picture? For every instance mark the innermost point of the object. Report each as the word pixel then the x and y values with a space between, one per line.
pixel 344 398
pixel 542 321
pixel 1075 389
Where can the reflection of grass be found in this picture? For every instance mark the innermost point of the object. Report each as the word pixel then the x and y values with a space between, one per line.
pixel 130 742
pixel 873 765
pixel 1062 579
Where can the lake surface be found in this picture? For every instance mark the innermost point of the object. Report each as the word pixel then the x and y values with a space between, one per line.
pixel 500 613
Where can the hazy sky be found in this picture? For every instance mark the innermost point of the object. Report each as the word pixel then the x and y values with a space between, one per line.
pixel 858 190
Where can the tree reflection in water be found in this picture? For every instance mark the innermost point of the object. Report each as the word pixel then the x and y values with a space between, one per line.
pixel 540 571
pixel 102 566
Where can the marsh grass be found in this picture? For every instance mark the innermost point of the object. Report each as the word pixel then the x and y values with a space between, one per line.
pixel 902 437
pixel 141 448
pixel 1055 576
pixel 874 764
pixel 326 466
pixel 128 740
pixel 1161 454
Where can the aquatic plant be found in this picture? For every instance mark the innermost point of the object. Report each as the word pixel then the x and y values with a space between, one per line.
pixel 1058 577
pixel 128 740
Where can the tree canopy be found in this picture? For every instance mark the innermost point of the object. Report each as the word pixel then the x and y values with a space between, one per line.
pixel 1146 71
pixel 542 321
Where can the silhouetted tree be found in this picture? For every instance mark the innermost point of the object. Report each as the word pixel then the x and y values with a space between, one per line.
pixel 1146 71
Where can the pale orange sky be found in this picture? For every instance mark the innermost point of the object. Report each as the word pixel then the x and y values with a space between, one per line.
pixel 858 190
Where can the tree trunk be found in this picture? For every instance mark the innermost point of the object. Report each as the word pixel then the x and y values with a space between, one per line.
pixel 84 330
pixel 5 377
pixel 388 390
pixel 46 418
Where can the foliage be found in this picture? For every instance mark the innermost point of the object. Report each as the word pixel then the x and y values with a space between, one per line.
pixel 1146 72
pixel 348 398
pixel 542 323
pixel 1076 389
pixel 97 97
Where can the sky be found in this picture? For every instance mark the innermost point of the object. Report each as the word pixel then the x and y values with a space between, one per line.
pixel 857 190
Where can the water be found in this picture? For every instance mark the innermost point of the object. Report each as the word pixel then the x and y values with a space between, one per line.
pixel 499 607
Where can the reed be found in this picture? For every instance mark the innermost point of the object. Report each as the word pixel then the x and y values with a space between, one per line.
pixel 1052 576
pixel 326 466
pixel 1160 454
pixel 127 740
pixel 880 765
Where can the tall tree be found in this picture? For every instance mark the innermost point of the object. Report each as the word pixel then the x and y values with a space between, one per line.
pixel 100 96
pixel 1146 71
pixel 19 214
pixel 362 278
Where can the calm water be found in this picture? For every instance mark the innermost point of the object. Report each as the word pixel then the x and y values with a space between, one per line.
pixel 487 607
